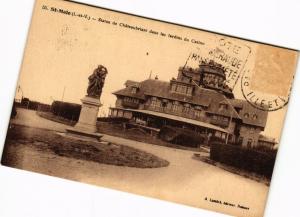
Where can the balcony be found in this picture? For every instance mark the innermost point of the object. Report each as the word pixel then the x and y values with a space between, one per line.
pixel 128 104
pixel 190 115
pixel 221 123
pixel 157 109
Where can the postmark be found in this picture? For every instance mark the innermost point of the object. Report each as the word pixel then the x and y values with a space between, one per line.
pixel 232 54
pixel 261 100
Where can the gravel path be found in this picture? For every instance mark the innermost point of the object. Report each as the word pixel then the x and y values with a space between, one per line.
pixel 185 180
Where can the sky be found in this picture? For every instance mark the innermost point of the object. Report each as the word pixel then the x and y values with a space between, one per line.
pixel 63 50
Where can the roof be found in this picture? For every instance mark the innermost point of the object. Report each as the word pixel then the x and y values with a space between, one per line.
pixel 178 118
pixel 237 103
pixel 249 114
pixel 202 96
pixel 132 83
pixel 266 139
pixel 127 91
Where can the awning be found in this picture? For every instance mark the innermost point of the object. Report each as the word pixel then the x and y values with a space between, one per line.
pixel 177 118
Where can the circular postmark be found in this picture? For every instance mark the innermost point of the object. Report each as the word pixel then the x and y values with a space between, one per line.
pixel 260 100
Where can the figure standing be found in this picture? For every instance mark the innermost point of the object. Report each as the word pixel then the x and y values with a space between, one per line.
pixel 96 81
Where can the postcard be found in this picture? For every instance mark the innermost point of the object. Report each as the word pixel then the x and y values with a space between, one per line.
pixel 149 107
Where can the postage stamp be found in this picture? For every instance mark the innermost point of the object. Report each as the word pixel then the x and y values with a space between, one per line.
pixel 268 86
pixel 266 102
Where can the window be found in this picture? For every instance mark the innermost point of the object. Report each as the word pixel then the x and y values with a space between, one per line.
pixel 240 141
pixel 164 103
pixel 155 102
pixel 189 90
pixel 133 90
pixel 198 107
pixel 120 113
pixel 223 106
pixel 223 135
pixel 173 87
pixel 186 108
pixel 218 134
pixel 254 116
pixel 115 113
pixel 127 99
pixel 183 89
pixel 249 143
pixel 130 99
pixel 169 105
pixel 178 88
pixel 197 113
pixel 246 115
pixel 176 107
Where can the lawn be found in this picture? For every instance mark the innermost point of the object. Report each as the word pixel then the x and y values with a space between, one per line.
pixel 47 141
pixel 116 129
pixel 135 134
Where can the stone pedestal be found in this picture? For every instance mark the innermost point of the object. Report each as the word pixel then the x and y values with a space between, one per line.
pixel 86 125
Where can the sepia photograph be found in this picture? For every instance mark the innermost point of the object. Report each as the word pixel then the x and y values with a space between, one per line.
pixel 150 108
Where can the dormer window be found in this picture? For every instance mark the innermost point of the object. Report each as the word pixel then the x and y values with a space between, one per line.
pixel 134 89
pixel 155 102
pixel 173 87
pixel 189 91
pixel 254 116
pixel 223 106
pixel 182 88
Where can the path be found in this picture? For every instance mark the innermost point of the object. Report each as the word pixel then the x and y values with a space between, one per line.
pixel 185 180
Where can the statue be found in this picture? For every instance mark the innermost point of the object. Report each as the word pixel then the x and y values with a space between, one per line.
pixel 96 81
pixel 86 127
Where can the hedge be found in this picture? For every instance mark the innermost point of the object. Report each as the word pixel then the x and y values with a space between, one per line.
pixel 116 120
pixel 70 111
pixel 181 136
pixel 33 105
pixel 243 158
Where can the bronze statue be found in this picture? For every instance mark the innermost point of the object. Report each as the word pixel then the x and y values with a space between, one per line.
pixel 96 81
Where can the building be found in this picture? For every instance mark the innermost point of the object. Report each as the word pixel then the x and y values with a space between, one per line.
pixel 198 99
pixel 267 142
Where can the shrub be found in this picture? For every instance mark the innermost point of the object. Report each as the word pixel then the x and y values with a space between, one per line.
pixel 215 151
pixel 117 120
pixel 70 111
pixel 244 158
pixel 32 105
pixel 181 136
